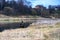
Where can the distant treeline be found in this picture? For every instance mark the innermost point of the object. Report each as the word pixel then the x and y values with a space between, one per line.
pixel 23 7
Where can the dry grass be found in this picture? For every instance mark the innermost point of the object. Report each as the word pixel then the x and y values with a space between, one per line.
pixel 47 30
pixel 33 32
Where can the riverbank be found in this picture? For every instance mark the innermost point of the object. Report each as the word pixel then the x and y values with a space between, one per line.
pixel 31 33
pixel 40 29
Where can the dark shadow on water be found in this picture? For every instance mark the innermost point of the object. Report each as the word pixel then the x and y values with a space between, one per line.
pixel 13 26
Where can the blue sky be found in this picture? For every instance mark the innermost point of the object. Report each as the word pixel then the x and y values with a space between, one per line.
pixel 44 2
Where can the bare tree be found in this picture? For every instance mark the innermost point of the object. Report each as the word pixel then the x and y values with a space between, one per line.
pixel 2 4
